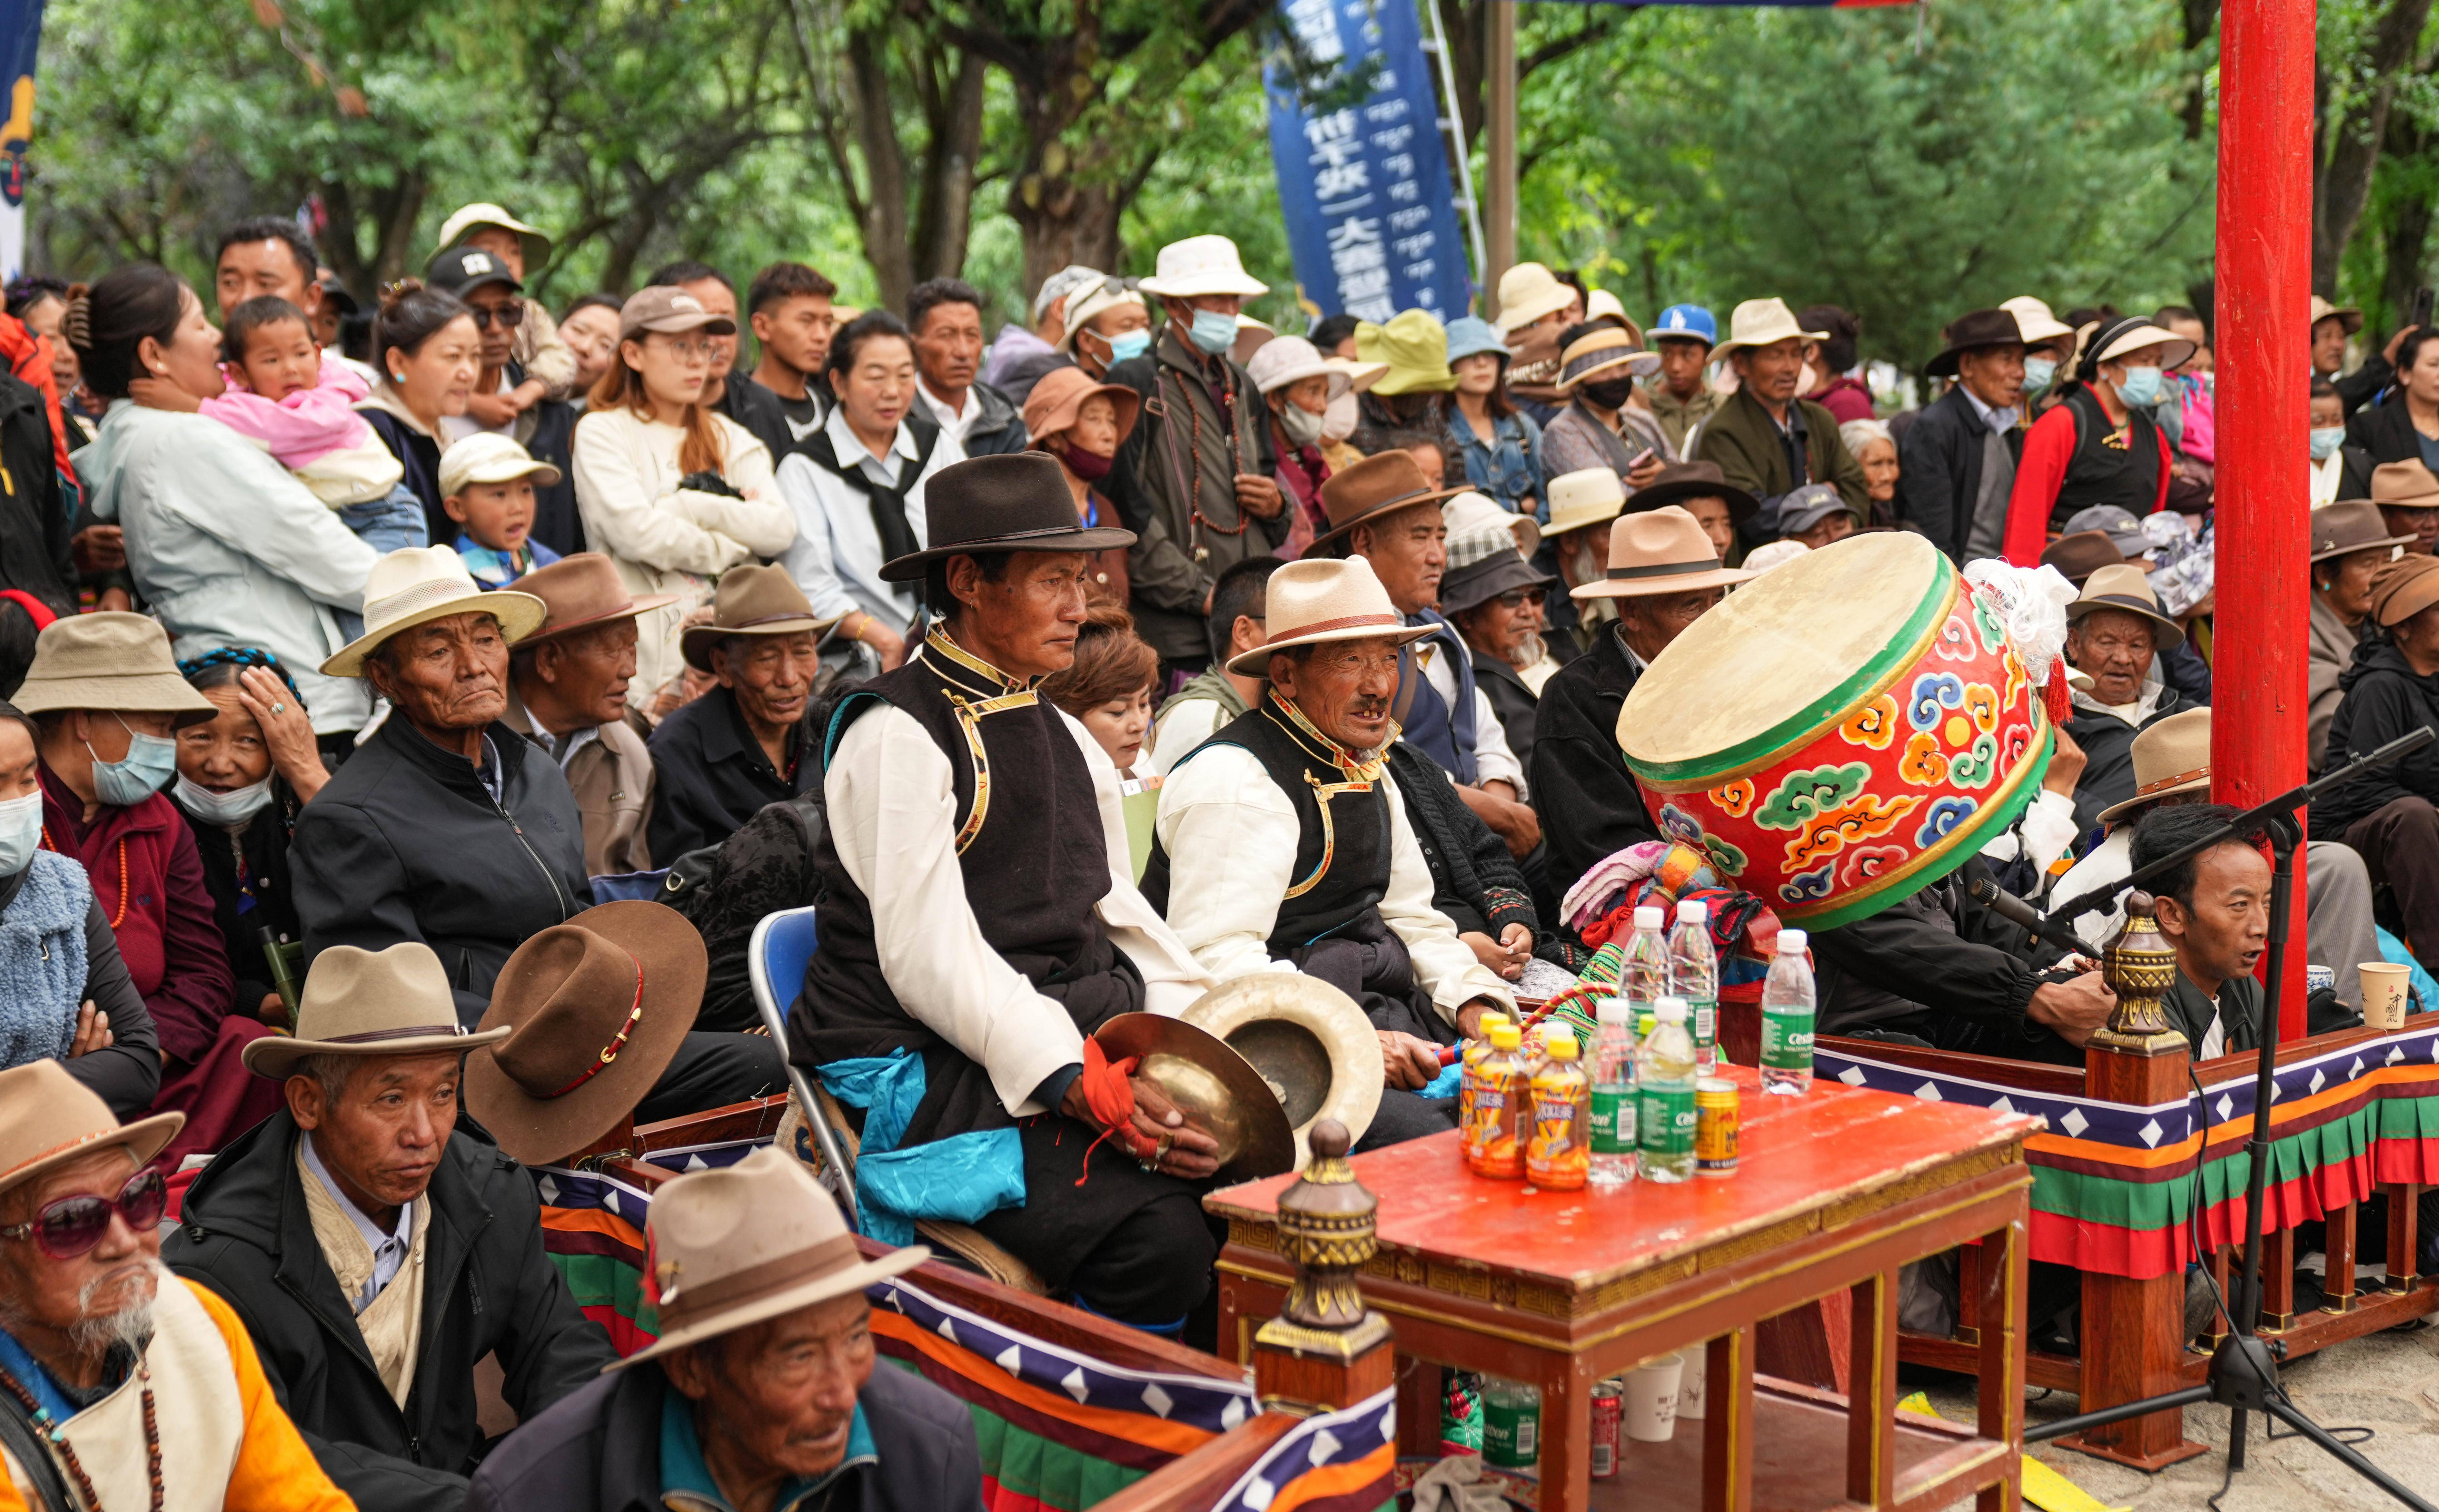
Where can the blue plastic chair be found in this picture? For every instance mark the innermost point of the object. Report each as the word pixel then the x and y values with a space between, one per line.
pixel 776 961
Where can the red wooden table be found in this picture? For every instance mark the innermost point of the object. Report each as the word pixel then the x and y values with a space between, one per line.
pixel 1559 1290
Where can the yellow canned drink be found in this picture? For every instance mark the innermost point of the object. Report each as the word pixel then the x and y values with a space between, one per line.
pixel 1715 1127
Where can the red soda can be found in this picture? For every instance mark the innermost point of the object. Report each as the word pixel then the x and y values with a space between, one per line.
pixel 1609 1420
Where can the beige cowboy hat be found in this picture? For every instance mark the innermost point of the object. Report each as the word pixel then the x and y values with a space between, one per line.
pixel 582 591
pixel 1661 551
pixel 2407 485
pixel 2350 525
pixel 752 600
pixel 416 585
pixel 1588 496
pixel 2124 587
pixel 109 661
pixel 1528 293
pixel 1379 486
pixel 737 1245
pixel 1201 265
pixel 1320 599
pixel 471 216
pixel 2346 316
pixel 49 1119
pixel 2034 321
pixel 593 1010
pixel 2173 755
pixel 360 1003
pixel 1764 323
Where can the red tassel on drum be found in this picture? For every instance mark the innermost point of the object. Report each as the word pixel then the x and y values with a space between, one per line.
pixel 2057 699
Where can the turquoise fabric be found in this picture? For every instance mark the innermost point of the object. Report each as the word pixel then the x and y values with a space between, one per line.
pixel 2394 951
pixel 962 1178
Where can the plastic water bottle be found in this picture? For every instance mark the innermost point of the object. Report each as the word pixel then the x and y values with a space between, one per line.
pixel 1786 1019
pixel 1694 975
pixel 1614 1110
pixel 1644 979
pixel 1664 1082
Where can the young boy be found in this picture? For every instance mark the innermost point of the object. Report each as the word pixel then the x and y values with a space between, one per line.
pixel 487 483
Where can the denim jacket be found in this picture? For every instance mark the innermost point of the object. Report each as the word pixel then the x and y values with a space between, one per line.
pixel 1511 472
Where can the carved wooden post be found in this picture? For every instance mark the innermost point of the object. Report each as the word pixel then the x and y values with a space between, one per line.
pixel 1325 1350
pixel 2134 1332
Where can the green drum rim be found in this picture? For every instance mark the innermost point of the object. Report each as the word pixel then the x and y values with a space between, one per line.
pixel 1797 730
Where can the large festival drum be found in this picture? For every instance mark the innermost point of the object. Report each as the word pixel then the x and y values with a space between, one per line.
pixel 1839 733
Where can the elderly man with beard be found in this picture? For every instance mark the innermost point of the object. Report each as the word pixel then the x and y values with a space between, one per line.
pixel 1574 546
pixel 1283 838
pixel 120 1385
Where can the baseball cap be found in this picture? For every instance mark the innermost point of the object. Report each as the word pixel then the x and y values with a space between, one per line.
pixel 1687 321
pixel 1799 511
pixel 667 309
pixel 2123 532
pixel 487 457
pixel 461 269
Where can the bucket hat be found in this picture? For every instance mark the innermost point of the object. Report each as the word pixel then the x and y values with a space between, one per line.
pixel 468 218
pixel 592 1011
pixel 2125 587
pixel 2034 320
pixel 1528 293
pixel 670 310
pixel 754 601
pixel 1058 397
pixel 1380 485
pixel 487 457
pixel 2350 525
pixel 733 1246
pixel 113 661
pixel 2406 484
pixel 49 1119
pixel 1471 336
pixel 1317 600
pixel 1686 323
pixel 1588 496
pixel 1084 305
pixel 2171 757
pixel 1679 481
pixel 1415 344
pixel 1017 502
pixel 363 1004
pixel 582 591
pixel 2078 554
pixel 1972 331
pixel 2404 588
pixel 1660 551
pixel 1470 511
pixel 416 585
pixel 1764 323
pixel 1290 360
pixel 1481 566
pixel 1201 265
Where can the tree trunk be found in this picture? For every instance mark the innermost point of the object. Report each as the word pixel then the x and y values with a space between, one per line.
pixel 1065 222
pixel 884 167
pixel 2349 147
pixel 944 215
pixel 2201 18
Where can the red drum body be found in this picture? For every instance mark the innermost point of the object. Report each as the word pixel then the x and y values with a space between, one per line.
pixel 1842 732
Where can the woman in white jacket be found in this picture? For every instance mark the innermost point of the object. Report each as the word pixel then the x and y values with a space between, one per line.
pixel 227 546
pixel 674 492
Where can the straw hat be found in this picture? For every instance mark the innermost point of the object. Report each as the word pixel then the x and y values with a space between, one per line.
pixel 416 585
pixel 2346 316
pixel 2132 335
pixel 1604 348
pixel 1320 599
pixel 1470 511
pixel 1058 397
pixel 754 601
pixel 1679 481
pixel 1380 485
pixel 737 1245
pixel 2403 589
pixel 2125 587
pixel 1201 265
pixel 1661 551
pixel 49 1119
pixel 468 218
pixel 1291 358
pixel 2078 554
pixel 2350 525
pixel 2034 320
pixel 2406 484
pixel 112 661
pixel 592 1010
pixel 1588 496
pixel 1016 502
pixel 1764 323
pixel 2171 757
pixel 1528 293
pixel 582 591
pixel 1415 344
pixel 363 1004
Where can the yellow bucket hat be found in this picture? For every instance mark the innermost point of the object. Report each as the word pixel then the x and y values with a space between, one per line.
pixel 1415 344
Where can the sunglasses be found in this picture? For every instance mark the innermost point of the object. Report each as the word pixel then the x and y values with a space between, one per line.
pixel 508 316
pixel 67 1228
pixel 1518 597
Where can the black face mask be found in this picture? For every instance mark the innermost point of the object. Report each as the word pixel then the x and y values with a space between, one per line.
pixel 1608 394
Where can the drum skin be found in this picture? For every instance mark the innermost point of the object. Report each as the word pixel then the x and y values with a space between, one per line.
pixel 1882 773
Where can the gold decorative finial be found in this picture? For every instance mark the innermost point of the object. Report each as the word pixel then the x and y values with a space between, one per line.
pixel 1325 1230
pixel 2140 966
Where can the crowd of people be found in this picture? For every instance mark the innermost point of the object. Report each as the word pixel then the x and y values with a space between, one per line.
pixel 413 706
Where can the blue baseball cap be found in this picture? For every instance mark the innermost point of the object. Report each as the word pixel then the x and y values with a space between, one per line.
pixel 1687 320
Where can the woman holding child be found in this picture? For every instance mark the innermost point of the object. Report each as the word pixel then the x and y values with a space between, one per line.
pixel 229 546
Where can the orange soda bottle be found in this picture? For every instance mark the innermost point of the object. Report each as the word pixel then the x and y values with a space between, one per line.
pixel 1558 1153
pixel 1492 1142
pixel 1475 1049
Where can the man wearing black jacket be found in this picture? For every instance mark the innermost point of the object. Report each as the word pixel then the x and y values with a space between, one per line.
pixel 1957 460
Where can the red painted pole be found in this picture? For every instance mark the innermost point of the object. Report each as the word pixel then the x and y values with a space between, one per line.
pixel 2265 267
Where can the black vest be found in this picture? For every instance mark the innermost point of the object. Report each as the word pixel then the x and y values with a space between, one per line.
pixel 1035 862
pixel 2100 471
pixel 1342 864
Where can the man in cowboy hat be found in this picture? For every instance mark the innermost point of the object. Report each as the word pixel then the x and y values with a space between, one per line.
pixel 2351 541
pixel 760 1392
pixel 2333 326
pixel 1385 510
pixel 1575 544
pixel 569 683
pixel 1198 469
pixel 1956 462
pixel 2115 635
pixel 743 743
pixel 1601 427
pixel 1765 441
pixel 446 826
pixel 2078 554
pixel 1283 837
pixel 375 1251
pixel 979 917
pixel 1663 576
pixel 1681 393
pixel 120 1383
pixel 2408 496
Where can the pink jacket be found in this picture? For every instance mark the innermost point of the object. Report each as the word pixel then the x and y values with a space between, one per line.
pixel 308 424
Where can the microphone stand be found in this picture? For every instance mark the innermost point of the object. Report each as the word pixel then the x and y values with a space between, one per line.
pixel 2244 1369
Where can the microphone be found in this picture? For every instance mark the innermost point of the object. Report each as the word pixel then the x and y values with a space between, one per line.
pixel 2016 911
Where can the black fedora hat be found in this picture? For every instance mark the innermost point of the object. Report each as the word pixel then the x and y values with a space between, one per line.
pixel 1015 502
pixel 1679 481
pixel 1971 329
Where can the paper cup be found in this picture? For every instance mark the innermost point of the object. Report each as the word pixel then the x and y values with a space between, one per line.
pixel 2384 990
pixel 1689 1390
pixel 1651 1399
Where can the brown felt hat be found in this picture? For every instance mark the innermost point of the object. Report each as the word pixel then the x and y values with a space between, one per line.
pixel 1380 485
pixel 2081 553
pixel 1015 502
pixel 1661 551
pixel 2171 757
pixel 2350 525
pixel 1679 481
pixel 751 600
pixel 582 591
pixel 2406 484
pixel 592 1011
pixel 2403 589
pixel 49 1119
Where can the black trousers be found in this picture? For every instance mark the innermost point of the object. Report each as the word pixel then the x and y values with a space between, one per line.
pixel 2399 845
pixel 712 1071
pixel 1131 1243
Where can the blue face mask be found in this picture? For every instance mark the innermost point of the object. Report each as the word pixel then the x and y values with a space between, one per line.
pixel 2139 388
pixel 21 832
pixel 2325 441
pixel 1212 332
pixel 2039 372
pixel 150 761
pixel 1127 345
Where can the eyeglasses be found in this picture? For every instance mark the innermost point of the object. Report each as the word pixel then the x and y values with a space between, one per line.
pixel 508 316
pixel 690 351
pixel 67 1228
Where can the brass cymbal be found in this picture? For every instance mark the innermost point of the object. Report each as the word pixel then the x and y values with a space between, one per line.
pixel 1218 1090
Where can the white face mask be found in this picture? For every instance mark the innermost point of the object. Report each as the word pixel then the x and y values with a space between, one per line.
pixel 223 808
pixel 1338 421
pixel 21 832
